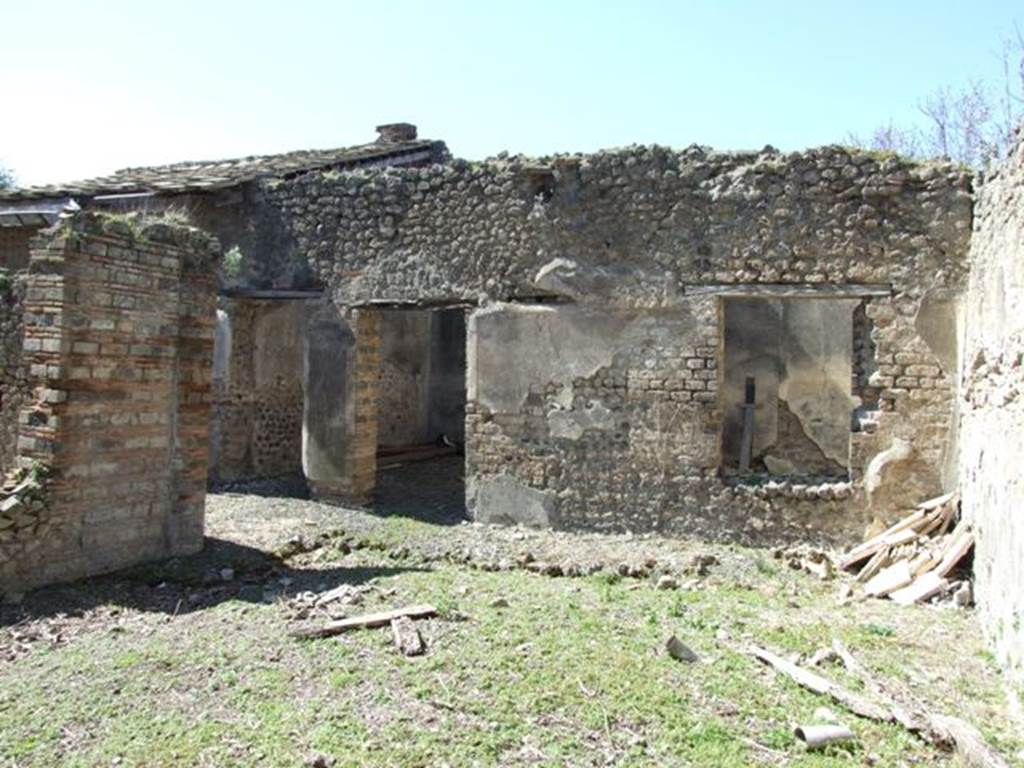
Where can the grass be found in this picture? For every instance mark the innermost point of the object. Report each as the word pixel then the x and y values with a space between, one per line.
pixel 572 673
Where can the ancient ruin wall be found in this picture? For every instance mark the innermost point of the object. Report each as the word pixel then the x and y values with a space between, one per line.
pixel 642 230
pixel 992 436
pixel 14 246
pixel 14 389
pixel 257 430
pixel 119 342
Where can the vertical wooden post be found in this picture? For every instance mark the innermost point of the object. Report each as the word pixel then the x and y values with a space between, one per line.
pixel 747 439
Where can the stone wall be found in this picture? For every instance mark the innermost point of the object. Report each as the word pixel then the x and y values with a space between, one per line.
pixel 404 377
pixel 663 236
pixel 14 387
pixel 992 434
pixel 119 325
pixel 14 246
pixel 257 429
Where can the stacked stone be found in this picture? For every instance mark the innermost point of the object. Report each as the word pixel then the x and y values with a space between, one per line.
pixel 23 511
pixel 470 229
pixel 14 387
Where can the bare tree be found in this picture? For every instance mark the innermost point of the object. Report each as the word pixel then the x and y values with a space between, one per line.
pixel 6 177
pixel 1010 103
pixel 890 138
pixel 973 124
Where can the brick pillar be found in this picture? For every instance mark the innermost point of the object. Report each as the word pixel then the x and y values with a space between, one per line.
pixel 340 387
pixel 119 343
pixel 367 392
pixel 197 320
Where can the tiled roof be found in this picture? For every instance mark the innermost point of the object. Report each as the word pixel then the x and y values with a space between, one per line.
pixel 204 176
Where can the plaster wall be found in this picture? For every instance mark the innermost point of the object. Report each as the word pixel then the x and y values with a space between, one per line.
pixel 992 429
pixel 422 376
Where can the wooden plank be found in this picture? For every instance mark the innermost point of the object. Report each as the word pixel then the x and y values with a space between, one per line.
pixel 823 686
pixel 365 621
pixel 969 742
pixel 920 590
pixel 955 552
pixel 894 577
pixel 937 502
pixel 874 565
pixel 871 546
pixel 925 561
pixel 901 537
pixel 940 730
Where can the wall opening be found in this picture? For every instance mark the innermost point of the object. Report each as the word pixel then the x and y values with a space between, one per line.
pixel 258 391
pixel 422 413
pixel 786 396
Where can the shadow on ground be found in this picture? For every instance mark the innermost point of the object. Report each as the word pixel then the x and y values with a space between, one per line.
pixel 431 491
pixel 223 571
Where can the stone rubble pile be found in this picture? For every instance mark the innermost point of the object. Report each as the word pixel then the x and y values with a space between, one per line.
pixel 22 506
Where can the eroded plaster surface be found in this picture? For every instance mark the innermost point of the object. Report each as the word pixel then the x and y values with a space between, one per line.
pixel 992 431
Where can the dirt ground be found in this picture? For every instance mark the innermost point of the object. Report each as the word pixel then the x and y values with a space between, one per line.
pixel 548 649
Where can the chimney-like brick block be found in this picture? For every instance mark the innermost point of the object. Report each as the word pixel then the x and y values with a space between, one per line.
pixel 396 133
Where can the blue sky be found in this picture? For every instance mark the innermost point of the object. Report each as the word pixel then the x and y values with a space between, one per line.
pixel 89 87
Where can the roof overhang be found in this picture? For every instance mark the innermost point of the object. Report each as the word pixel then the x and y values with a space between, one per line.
pixel 34 213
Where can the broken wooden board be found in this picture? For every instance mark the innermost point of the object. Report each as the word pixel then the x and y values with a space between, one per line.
pixel 941 730
pixel 365 621
pixel 877 562
pixel 407 638
pixel 955 552
pixel 896 576
pixel 899 538
pixel 823 686
pixel 874 544
pixel 937 502
pixel 969 743
pixel 922 588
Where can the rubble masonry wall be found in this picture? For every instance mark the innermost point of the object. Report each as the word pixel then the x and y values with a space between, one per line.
pixel 631 237
pixel 14 388
pixel 992 437
pixel 257 429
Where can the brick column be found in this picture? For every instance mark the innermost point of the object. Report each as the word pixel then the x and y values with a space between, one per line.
pixel 367 392
pixel 119 323
pixel 197 321
pixel 340 386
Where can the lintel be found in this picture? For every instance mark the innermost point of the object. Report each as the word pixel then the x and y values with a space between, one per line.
pixel 790 290
pixel 245 293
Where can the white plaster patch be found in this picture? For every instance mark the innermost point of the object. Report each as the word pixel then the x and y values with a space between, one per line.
pixel 573 423
pixel 503 500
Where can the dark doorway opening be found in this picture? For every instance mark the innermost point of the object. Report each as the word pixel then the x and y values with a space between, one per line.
pixel 422 414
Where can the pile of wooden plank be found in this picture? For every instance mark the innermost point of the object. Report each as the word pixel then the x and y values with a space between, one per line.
pixel 910 562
